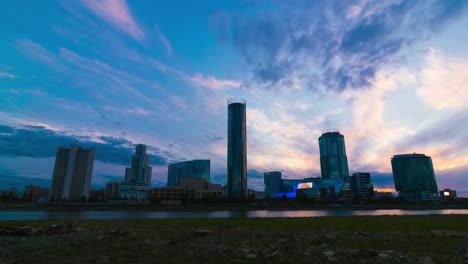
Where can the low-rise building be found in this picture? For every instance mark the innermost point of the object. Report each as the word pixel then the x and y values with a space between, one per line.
pixel 35 193
pixel 448 194
pixel 189 189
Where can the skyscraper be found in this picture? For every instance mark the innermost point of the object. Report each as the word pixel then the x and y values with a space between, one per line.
pixel 138 177
pixel 414 177
pixel 176 172
pixel 272 181
pixel 333 161
pixel 72 174
pixel 237 150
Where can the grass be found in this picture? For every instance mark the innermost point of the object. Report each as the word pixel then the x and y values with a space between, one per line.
pixel 294 240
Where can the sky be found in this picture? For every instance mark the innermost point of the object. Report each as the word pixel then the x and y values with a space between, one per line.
pixel 391 76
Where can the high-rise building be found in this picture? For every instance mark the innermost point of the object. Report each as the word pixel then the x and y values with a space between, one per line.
pixel 176 172
pixel 360 185
pixel 414 177
pixel 333 161
pixel 138 177
pixel 272 181
pixel 113 190
pixel 237 150
pixel 72 174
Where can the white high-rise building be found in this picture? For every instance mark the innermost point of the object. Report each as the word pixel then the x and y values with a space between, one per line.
pixel 72 174
pixel 138 177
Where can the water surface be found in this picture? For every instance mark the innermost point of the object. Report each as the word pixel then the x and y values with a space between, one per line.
pixel 52 215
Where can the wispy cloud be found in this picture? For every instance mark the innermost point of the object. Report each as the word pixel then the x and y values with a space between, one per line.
pixel 116 13
pixel 8 75
pixel 445 81
pixel 164 41
pixel 213 83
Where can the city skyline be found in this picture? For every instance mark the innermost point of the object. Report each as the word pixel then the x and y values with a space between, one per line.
pixel 112 74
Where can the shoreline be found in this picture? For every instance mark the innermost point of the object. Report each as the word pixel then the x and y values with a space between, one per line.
pixel 230 207
pixel 361 239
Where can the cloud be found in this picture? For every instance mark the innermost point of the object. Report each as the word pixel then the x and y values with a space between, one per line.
pixel 445 82
pixel 4 74
pixel 41 142
pixel 254 174
pixel 37 52
pixel 212 83
pixel 116 13
pixel 164 41
pixel 13 179
pixel 210 136
pixel 330 45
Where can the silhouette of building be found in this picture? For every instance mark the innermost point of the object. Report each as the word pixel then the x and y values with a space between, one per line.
pixel 138 177
pixel 333 161
pixel 448 195
pixel 8 194
pixel 35 193
pixel 189 189
pixel 113 190
pixel 188 169
pixel 360 185
pixel 414 177
pixel 319 188
pixel 272 181
pixel 237 150
pixel 72 174
pixel 97 195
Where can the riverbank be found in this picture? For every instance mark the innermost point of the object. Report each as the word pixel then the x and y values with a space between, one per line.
pixel 359 239
pixel 196 207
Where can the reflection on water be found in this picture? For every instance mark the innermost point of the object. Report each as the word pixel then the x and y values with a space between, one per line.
pixel 43 215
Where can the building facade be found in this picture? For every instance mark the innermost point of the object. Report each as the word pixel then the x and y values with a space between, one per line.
pixel 73 170
pixel 414 177
pixel 448 195
pixel 113 190
pixel 189 189
pixel 272 181
pixel 237 150
pixel 360 185
pixel 333 160
pixel 35 193
pixel 138 177
pixel 176 172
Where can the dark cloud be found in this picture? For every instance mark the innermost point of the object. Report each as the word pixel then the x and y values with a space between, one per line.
pixel 254 174
pixel 322 45
pixel 11 179
pixel 382 180
pixel 213 137
pixel 40 142
pixel 6 129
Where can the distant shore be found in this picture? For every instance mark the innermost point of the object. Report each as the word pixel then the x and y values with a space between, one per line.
pixel 197 207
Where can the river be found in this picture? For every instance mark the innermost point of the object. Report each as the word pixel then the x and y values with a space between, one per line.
pixel 54 215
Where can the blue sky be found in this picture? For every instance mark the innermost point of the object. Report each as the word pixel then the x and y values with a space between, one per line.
pixel 390 76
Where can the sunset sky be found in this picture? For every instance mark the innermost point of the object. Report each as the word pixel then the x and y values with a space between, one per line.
pixel 391 76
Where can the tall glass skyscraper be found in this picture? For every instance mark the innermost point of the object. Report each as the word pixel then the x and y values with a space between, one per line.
pixel 73 170
pixel 414 177
pixel 333 161
pixel 138 176
pixel 237 150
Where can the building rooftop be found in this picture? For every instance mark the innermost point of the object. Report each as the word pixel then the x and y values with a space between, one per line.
pixel 331 133
pixel 413 155
pixel 236 101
